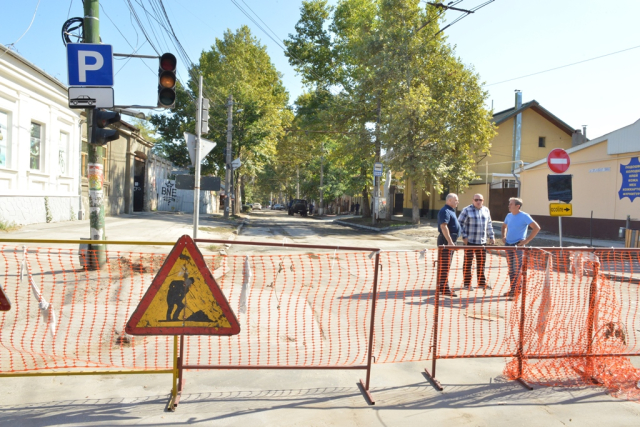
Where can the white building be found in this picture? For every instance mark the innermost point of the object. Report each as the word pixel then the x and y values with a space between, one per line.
pixel 39 145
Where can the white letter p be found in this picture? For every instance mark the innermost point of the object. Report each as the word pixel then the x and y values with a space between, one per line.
pixel 83 67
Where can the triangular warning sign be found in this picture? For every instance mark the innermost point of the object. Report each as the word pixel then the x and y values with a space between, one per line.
pixel 5 304
pixel 183 299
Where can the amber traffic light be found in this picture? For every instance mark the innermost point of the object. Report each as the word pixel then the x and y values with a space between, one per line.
pixel 167 81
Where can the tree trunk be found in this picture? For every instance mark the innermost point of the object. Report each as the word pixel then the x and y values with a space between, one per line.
pixel 365 208
pixel 236 190
pixel 415 208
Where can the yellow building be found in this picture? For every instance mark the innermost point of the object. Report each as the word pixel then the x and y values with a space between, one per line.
pixel 606 184
pixel 540 132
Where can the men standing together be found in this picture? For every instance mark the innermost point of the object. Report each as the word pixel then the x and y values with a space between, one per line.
pixel 475 226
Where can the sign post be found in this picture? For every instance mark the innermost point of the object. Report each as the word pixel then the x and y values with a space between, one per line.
pixel 558 161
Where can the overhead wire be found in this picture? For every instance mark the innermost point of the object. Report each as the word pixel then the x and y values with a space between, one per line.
pixel 564 66
pixel 23 34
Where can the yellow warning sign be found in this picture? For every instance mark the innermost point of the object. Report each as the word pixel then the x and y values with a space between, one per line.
pixel 183 299
pixel 560 209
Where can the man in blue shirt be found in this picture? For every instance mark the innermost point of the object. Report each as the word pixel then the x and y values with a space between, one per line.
pixel 514 233
pixel 449 228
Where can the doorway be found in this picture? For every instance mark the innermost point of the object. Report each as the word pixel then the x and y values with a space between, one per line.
pixel 138 184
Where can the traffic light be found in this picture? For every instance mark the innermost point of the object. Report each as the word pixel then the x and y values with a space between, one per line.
pixel 205 116
pixel 167 81
pixel 101 119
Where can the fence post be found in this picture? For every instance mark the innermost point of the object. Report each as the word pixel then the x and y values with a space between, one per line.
pixel 434 346
pixel 374 299
pixel 523 292
pixel 174 378
pixel 593 291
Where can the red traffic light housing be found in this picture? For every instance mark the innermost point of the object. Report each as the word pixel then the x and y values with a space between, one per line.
pixel 101 119
pixel 167 81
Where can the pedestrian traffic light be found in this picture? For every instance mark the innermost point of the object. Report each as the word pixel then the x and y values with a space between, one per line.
pixel 101 119
pixel 167 81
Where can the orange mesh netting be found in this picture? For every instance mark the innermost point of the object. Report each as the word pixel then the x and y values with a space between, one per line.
pixel 579 303
pixel 295 310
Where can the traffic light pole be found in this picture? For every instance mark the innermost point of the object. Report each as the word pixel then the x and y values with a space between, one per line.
pixel 95 153
pixel 196 185
pixel 229 175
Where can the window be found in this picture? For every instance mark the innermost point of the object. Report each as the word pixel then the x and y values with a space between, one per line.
pixel 63 154
pixel 542 141
pixel 35 162
pixel 4 139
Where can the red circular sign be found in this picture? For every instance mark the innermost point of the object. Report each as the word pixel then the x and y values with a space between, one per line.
pixel 558 160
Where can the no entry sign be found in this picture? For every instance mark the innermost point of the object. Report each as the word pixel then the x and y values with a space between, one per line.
pixel 558 160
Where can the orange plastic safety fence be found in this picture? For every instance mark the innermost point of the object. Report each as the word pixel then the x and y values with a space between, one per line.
pixel 294 310
pixel 580 307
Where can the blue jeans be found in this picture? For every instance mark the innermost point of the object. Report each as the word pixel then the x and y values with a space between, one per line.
pixel 514 259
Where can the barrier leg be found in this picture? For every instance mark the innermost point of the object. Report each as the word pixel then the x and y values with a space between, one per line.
pixel 434 346
pixel 523 293
pixel 173 399
pixel 591 324
pixel 374 299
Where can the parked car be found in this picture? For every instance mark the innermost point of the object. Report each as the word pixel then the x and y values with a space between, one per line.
pixel 257 206
pixel 277 207
pixel 298 206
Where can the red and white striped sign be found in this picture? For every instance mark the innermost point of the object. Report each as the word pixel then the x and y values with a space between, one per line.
pixel 558 160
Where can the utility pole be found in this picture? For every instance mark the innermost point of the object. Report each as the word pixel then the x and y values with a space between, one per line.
pixel 196 184
pixel 376 186
pixel 97 257
pixel 321 208
pixel 298 184
pixel 229 175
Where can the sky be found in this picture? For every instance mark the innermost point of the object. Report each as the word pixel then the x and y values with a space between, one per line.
pixel 505 40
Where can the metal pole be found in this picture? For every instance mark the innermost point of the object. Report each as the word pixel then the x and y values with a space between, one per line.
pixel 196 184
pixel 523 287
pixel 374 298
pixel 321 211
pixel 227 183
pixel 591 316
pixel 560 229
pixel 97 255
pixel 434 345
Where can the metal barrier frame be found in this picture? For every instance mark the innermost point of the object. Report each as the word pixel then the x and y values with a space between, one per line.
pixel 519 354
pixel 177 371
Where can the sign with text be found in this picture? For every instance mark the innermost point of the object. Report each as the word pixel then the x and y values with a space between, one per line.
pixel 377 169
pixel 630 175
pixel 560 209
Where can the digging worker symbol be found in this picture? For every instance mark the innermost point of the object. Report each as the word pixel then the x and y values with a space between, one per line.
pixel 175 297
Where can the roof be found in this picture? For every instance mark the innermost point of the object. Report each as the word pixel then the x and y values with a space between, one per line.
pixel 4 50
pixel 502 116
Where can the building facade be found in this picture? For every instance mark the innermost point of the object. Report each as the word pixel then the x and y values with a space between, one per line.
pixel 39 145
pixel 605 185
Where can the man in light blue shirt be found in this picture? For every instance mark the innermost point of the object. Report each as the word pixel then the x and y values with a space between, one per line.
pixel 514 233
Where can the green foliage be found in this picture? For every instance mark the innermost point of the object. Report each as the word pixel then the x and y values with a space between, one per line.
pixel 47 209
pixel 8 226
pixel 388 55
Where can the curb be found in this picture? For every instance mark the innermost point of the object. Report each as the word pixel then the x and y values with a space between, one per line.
pixel 366 227
pixel 234 236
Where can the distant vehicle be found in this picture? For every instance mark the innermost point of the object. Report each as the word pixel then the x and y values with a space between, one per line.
pixel 298 206
pixel 257 206
pixel 277 207
pixel 83 100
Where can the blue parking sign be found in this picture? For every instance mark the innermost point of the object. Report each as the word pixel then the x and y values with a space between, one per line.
pixel 90 64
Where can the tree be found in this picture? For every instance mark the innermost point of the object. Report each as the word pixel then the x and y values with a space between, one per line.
pixel 237 65
pixel 404 91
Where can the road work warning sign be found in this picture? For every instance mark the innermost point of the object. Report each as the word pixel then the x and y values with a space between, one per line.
pixel 183 299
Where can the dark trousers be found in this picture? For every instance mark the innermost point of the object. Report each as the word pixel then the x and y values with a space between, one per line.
pixel 514 260
pixel 444 263
pixel 480 254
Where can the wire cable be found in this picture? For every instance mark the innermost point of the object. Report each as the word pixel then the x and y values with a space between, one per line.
pixel 565 66
pixel 26 31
